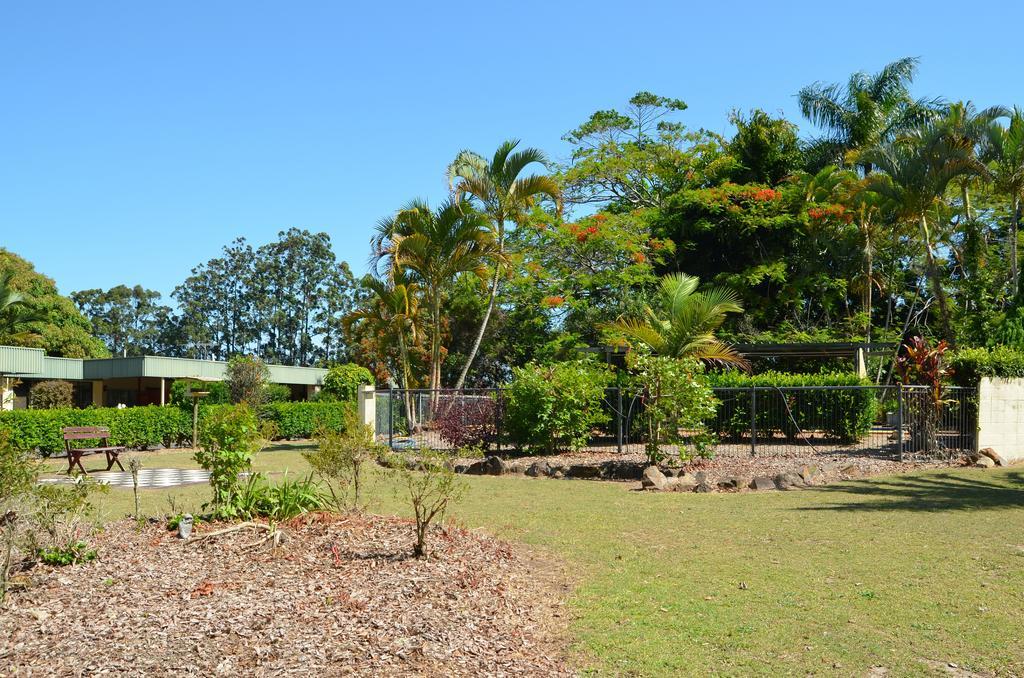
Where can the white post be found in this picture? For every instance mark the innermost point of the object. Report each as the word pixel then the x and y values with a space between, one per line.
pixel 862 368
pixel 6 393
pixel 367 406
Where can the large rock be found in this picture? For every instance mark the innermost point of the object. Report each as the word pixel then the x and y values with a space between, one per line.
pixel 762 483
pixel 789 481
pixel 622 470
pixel 984 462
pixel 704 486
pixel 516 466
pixel 733 483
pixel 812 475
pixel 653 479
pixel 491 466
pixel 993 455
pixel 684 482
pixel 588 471
pixel 538 469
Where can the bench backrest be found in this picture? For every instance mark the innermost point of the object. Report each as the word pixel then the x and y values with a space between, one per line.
pixel 85 432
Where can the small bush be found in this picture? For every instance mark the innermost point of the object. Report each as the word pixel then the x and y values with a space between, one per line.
pixel 72 553
pixel 51 395
pixel 969 365
pixel 246 379
pixel 466 420
pixel 342 382
pixel 431 485
pixel 277 393
pixel 340 458
pixel 217 391
pixel 228 439
pixel 554 407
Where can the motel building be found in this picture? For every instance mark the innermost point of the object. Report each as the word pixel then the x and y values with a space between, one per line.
pixel 127 382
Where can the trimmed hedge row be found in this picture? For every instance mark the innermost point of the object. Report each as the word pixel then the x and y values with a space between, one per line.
pixel 844 414
pixel 140 427
pixel 969 365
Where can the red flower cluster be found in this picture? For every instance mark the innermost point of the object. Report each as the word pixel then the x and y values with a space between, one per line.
pixel 830 212
pixel 582 234
pixel 639 257
pixel 766 195
pixel 551 302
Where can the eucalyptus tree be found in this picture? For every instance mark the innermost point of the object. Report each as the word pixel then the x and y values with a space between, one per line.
pixel 918 168
pixel 435 246
pixel 683 322
pixel 1007 149
pixel 505 199
pixel 866 111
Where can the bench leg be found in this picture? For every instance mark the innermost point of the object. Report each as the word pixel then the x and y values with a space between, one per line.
pixel 73 460
pixel 112 459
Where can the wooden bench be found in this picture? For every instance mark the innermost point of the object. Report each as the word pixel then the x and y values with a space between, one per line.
pixel 100 433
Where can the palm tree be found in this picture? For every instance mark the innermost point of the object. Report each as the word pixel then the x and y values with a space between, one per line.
pixel 436 246
pixel 1007 148
pixel 869 110
pixel 969 130
pixel 918 169
pixel 684 323
pixel 392 313
pixel 505 199
pixel 16 311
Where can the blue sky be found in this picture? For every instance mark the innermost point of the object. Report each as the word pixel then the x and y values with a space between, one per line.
pixel 138 138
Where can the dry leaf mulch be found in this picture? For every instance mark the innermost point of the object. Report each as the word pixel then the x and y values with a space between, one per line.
pixel 341 596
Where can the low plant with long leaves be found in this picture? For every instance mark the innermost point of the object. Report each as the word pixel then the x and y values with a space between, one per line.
pixel 286 499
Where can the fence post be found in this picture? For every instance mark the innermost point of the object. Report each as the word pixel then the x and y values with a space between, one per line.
pixel 899 421
pixel 368 406
pixel 619 415
pixel 391 418
pixel 753 421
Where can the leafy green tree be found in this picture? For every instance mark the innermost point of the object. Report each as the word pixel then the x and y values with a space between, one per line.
pixel 766 148
pixel 342 382
pixel 870 109
pixel 684 322
pixel 127 319
pixel 43 318
pixel 246 378
pixel 917 170
pixel 505 199
pixel 1007 148
pixel 436 246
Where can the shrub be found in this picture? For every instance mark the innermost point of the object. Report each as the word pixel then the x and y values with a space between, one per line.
pixel 135 427
pixel 51 395
pixel 466 420
pixel 555 406
pixel 246 380
pixel 217 390
pixel 340 457
pixel 342 382
pixel 228 439
pixel 276 393
pixel 305 419
pixel 72 553
pixel 430 485
pixel 674 398
pixel 969 365
pixel 258 498
pixel 843 414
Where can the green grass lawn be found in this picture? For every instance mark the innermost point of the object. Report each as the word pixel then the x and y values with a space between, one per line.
pixel 892 572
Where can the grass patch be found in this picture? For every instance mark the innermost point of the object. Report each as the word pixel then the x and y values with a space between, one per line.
pixel 887 572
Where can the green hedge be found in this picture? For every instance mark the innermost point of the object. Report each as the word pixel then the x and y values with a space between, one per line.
pixel 842 414
pixel 140 427
pixel 135 427
pixel 969 365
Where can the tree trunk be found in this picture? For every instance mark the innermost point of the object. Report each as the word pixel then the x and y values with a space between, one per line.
pixel 1014 224
pixel 483 328
pixel 869 271
pixel 936 281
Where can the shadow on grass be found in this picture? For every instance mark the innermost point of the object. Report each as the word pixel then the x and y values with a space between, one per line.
pixel 930 492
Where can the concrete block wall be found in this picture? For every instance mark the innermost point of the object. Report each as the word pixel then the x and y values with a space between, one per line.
pixel 1001 417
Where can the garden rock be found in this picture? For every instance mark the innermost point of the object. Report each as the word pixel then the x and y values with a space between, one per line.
pixel 491 466
pixel 653 479
pixel 704 487
pixel 684 482
pixel 538 469
pixel 583 471
pixel 993 455
pixel 732 483
pixel 789 481
pixel 622 470
pixel 812 475
pixel 762 483
pixel 984 462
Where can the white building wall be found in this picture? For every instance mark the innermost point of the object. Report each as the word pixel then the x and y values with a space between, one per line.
pixel 1001 417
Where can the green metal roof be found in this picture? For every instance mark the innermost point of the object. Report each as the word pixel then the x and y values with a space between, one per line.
pixel 31 362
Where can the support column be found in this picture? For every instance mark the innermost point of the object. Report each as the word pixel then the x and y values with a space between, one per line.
pixel 163 391
pixel 97 394
pixel 6 393
pixel 367 406
pixel 312 390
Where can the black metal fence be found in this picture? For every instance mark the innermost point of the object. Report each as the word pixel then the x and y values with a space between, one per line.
pixel 905 423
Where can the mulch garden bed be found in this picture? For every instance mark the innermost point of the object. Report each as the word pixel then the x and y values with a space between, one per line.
pixel 341 596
